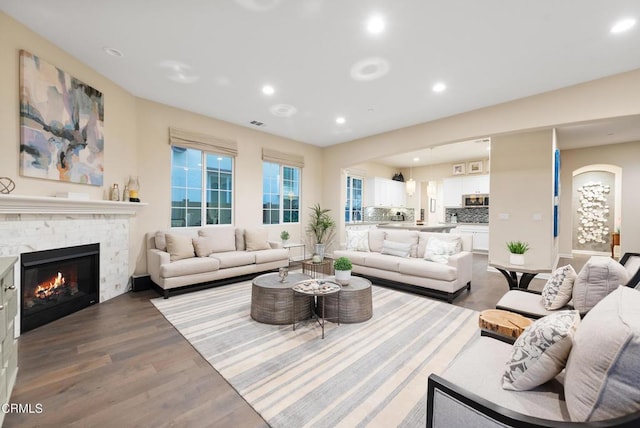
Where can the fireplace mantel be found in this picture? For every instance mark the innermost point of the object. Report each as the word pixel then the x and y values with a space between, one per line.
pixel 18 204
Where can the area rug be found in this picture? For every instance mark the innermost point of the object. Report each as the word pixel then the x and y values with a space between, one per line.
pixel 366 374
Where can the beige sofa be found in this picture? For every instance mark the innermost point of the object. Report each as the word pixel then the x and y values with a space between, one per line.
pixel 410 271
pixel 181 257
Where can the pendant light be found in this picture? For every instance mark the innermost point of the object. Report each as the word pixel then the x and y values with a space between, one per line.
pixel 411 183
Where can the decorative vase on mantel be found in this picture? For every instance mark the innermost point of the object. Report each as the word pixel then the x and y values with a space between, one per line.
pixel 134 186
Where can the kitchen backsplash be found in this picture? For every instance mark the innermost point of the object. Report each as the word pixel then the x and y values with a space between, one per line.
pixel 388 214
pixel 468 215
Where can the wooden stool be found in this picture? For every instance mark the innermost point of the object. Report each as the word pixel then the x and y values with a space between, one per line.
pixel 502 325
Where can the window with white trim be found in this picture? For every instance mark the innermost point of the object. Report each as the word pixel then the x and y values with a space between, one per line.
pixel 280 193
pixel 353 205
pixel 201 187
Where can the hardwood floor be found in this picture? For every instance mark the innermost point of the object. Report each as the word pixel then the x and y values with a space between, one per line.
pixel 121 364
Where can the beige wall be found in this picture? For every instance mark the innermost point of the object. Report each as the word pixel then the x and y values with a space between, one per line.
pixel 522 189
pixel 625 156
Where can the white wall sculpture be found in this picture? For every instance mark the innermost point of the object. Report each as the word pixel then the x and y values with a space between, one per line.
pixel 593 213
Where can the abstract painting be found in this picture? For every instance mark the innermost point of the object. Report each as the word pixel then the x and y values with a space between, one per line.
pixel 61 125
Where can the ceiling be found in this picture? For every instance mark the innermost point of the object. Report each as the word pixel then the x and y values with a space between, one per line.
pixel 214 57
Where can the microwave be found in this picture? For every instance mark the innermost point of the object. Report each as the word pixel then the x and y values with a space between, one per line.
pixel 477 200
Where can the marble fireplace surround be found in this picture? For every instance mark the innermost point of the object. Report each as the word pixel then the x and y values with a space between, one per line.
pixel 35 223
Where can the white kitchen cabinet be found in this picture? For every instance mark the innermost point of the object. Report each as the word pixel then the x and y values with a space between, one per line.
pixel 480 235
pixel 383 192
pixel 452 192
pixel 475 184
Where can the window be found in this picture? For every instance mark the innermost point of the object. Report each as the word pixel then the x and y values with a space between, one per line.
pixel 190 168
pixel 353 206
pixel 280 193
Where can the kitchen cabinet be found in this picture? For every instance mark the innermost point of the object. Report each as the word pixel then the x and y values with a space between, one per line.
pixel 383 192
pixel 475 184
pixel 455 187
pixel 9 347
pixel 480 235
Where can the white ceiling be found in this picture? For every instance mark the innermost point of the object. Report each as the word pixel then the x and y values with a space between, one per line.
pixel 487 52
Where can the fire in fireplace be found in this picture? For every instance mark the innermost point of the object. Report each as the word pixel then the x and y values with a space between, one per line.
pixel 58 282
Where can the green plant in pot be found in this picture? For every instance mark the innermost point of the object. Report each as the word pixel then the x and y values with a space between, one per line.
pixel 517 250
pixel 342 267
pixel 284 235
pixel 321 228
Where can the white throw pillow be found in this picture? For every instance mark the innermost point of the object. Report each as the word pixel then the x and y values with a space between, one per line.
pixel 256 239
pixel 400 249
pixel 598 277
pixel 541 351
pixel 179 246
pixel 358 240
pixel 439 250
pixel 557 291
pixel 203 246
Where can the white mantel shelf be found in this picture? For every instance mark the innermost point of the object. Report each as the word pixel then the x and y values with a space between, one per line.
pixel 17 204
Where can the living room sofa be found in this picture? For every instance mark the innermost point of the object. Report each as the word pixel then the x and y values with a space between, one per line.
pixel 595 383
pixel 405 259
pixel 182 257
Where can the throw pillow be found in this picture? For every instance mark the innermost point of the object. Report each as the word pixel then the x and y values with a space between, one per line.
pixel 557 291
pixel 256 239
pixel 161 242
pixel 438 250
pixel 399 249
pixel 222 239
pixel 203 246
pixel 358 240
pixel 179 246
pixel 600 276
pixel 602 379
pixel 541 351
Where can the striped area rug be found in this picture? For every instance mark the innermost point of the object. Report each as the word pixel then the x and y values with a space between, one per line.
pixel 367 374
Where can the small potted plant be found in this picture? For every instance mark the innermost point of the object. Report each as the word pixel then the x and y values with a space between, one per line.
pixel 284 235
pixel 517 250
pixel 342 266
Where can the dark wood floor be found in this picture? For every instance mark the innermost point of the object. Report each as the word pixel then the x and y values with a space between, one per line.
pixel 121 364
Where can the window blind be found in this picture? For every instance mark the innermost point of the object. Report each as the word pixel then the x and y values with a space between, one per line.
pixel 194 140
pixel 270 155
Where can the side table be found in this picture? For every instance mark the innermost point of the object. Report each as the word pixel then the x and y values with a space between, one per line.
pixel 324 268
pixel 318 289
pixel 510 272
pixel 502 325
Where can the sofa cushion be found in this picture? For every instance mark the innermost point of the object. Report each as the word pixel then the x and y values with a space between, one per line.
pixel 191 266
pixel 234 258
pixel 602 378
pixel 438 250
pixel 405 237
pixel 240 246
pixel 392 248
pixel 523 302
pixel 426 269
pixel 161 241
pixel 358 240
pixel 356 257
pixel 541 351
pixel 256 239
pixel 203 246
pixel 272 255
pixel 600 276
pixel 557 291
pixel 376 239
pixel 179 246
pixel 381 261
pixel 222 239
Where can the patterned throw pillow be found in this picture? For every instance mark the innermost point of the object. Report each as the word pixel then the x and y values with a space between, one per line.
pixel 438 250
pixel 358 240
pixel 557 291
pixel 400 249
pixel 541 351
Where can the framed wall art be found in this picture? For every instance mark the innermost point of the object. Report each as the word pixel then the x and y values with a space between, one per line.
pixel 61 125
pixel 475 167
pixel 458 169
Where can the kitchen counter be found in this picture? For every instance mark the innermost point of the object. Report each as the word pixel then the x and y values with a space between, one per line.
pixel 421 228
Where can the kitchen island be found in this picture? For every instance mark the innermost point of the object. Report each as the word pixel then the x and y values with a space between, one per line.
pixel 444 228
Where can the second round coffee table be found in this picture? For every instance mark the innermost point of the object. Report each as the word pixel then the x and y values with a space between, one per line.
pixel 272 300
pixel 355 301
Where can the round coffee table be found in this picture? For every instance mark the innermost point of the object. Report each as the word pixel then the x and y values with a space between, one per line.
pixel 272 300
pixel 355 301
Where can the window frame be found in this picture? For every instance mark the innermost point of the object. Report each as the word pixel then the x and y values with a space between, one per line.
pixel 349 198
pixel 281 195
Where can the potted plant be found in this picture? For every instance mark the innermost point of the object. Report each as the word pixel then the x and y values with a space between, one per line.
pixel 284 235
pixel 517 250
pixel 321 227
pixel 342 266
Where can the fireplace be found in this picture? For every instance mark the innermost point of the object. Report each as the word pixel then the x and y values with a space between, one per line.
pixel 58 282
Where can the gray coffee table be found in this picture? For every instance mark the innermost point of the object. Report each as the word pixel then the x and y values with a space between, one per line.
pixel 354 301
pixel 272 300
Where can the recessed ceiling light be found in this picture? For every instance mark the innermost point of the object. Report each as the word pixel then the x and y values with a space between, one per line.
pixel 623 25
pixel 439 87
pixel 375 25
pixel 369 69
pixel 113 51
pixel 268 90
pixel 340 120
pixel 416 159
